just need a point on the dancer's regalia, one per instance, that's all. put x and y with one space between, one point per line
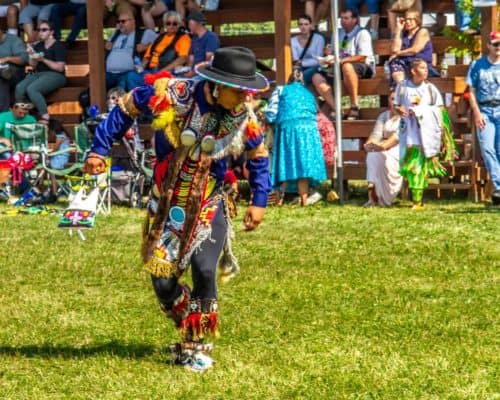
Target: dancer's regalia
188 220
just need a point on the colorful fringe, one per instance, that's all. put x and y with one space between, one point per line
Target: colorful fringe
449 150
179 310
198 324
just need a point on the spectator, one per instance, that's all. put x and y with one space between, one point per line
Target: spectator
356 62
422 136
19 114
10 9
410 42
78 8
35 10
298 156
48 59
203 42
169 51
397 10
153 8
13 56
184 7
484 80
373 10
382 158
317 10
467 16
306 48
126 43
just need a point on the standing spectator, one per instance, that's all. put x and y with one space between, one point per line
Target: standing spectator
419 103
203 42
373 10
126 43
19 114
317 10
78 8
484 81
169 51
382 158
13 56
356 62
10 9
184 7
35 10
306 48
298 156
410 42
48 59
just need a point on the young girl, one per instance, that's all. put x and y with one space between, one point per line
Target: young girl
416 98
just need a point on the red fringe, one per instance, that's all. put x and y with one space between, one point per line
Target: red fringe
150 79
158 103
199 325
254 130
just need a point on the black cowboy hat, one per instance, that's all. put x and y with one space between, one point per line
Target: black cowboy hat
234 67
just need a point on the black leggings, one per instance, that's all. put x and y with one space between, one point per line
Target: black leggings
203 264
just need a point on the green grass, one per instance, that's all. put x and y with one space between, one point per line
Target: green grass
332 303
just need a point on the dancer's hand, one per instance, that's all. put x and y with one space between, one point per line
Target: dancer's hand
253 217
94 165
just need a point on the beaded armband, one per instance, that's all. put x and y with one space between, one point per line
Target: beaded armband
126 103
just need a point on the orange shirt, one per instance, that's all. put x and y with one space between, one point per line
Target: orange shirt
182 47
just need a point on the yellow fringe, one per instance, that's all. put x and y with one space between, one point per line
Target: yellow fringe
126 103
160 268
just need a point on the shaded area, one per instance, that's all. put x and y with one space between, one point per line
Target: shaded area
112 348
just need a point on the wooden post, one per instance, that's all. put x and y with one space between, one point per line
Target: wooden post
95 13
282 21
489 23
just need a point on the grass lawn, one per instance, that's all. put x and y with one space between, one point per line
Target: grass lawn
331 303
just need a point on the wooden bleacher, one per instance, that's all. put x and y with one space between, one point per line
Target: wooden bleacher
63 102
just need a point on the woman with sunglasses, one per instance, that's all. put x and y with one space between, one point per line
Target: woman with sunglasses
48 60
410 42
169 51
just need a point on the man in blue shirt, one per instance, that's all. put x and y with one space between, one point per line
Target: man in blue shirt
203 43
484 81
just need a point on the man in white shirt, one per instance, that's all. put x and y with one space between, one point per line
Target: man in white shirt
356 61
123 46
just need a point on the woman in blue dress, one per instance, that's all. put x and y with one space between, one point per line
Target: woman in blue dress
298 161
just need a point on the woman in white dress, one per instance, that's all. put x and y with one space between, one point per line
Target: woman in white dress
382 158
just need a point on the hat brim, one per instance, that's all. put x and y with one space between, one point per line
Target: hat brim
257 84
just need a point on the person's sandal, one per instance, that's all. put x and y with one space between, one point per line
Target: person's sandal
44 121
353 114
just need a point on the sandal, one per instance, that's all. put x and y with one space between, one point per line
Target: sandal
353 114
44 120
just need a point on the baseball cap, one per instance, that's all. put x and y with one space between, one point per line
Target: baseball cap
494 37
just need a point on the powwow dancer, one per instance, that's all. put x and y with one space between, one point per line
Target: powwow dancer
198 125
426 131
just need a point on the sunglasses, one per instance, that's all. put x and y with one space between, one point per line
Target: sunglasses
24 106
43 29
122 21
497 44
410 19
168 23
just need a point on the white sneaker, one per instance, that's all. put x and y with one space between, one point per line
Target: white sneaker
199 362
314 198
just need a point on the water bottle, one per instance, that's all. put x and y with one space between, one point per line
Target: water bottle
138 65
387 71
444 70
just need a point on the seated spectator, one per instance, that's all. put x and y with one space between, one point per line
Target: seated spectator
38 10
185 7
356 62
19 114
398 9
373 10
48 60
78 8
297 153
410 42
60 138
382 158
169 51
306 47
13 57
153 8
10 9
126 43
203 42
317 10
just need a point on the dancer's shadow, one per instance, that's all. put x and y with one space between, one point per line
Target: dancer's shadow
112 348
